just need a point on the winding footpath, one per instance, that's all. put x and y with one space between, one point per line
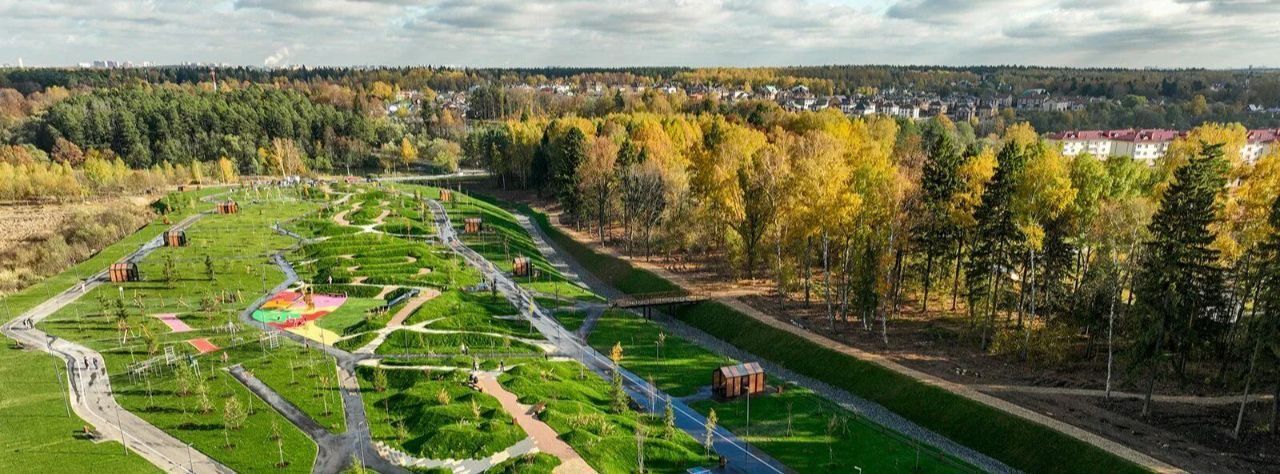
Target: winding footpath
741 456
91 395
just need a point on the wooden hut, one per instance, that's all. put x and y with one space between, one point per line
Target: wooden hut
736 380
472 225
175 238
446 195
228 207
123 271
520 267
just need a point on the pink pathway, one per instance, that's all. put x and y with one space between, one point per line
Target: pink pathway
202 345
171 320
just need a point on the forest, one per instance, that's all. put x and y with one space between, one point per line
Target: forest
1170 272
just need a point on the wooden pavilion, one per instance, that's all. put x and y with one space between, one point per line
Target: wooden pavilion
736 380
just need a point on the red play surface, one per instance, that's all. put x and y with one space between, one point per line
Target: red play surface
202 345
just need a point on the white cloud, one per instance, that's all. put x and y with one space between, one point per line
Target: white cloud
645 32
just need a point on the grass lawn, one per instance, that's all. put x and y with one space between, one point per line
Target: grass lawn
17 303
382 260
680 370
503 240
1021 444
471 312
436 416
578 409
303 376
238 245
537 463
410 342
351 313
35 430
810 434
571 320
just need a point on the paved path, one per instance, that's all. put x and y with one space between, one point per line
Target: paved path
91 395
1216 400
333 452
544 438
424 296
741 456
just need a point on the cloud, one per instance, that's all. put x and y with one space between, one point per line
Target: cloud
646 32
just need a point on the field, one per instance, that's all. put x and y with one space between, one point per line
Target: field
35 429
578 409
200 287
436 415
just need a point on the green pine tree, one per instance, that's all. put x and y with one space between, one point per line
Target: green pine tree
1179 285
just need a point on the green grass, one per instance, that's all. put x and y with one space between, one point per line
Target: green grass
35 429
537 463
409 342
578 409
457 310
303 377
571 320
810 434
615 272
1021 444
239 244
683 366
17 303
436 416
351 313
503 240
382 260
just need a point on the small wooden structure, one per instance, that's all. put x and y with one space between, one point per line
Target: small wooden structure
736 380
520 267
446 195
175 238
472 225
123 271
228 207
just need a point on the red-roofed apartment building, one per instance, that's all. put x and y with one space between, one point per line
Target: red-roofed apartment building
1146 144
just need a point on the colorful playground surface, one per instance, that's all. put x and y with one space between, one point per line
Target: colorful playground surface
289 309
202 345
171 320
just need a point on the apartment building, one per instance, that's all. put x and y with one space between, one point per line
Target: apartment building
1147 144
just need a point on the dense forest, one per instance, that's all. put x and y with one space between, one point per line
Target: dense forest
1050 259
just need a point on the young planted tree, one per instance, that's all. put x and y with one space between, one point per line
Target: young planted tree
1180 283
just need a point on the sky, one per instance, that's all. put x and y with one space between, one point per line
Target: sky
523 33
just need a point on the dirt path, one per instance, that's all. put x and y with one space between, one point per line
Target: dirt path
341 217
965 391
383 215
724 293
544 438
413 304
1086 392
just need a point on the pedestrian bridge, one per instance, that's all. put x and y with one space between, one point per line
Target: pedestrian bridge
665 298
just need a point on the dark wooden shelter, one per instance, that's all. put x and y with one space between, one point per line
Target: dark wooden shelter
123 271
228 207
520 267
175 238
736 380
472 225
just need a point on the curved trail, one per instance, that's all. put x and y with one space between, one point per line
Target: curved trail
1200 400
91 394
